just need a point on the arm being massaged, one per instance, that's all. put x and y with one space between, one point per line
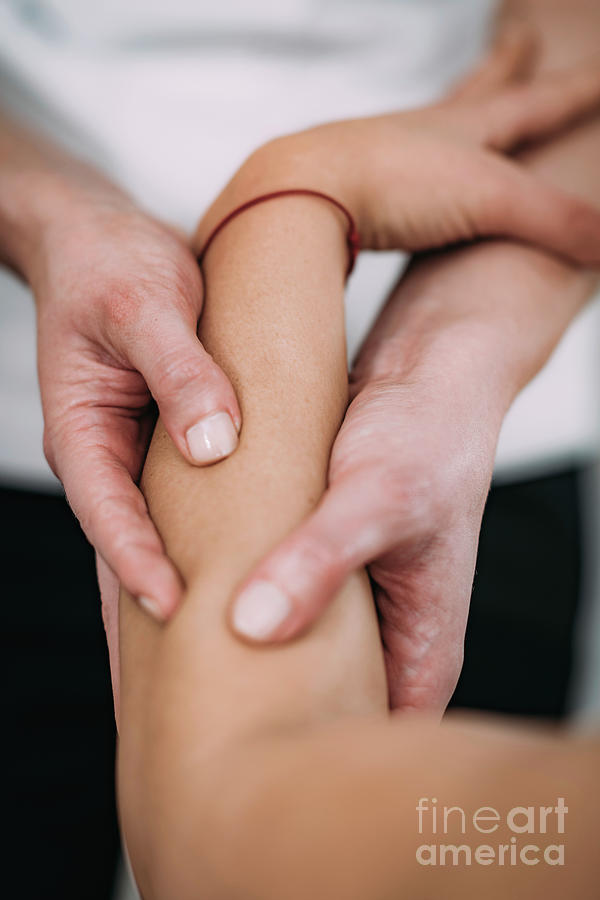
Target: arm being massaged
278 772
416 180
247 771
423 412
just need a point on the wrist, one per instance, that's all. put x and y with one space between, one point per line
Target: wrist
461 363
39 200
291 162
498 308
457 359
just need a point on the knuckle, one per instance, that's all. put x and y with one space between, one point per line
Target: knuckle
318 554
411 500
177 370
133 305
121 304
116 507
126 539
62 439
123 551
121 518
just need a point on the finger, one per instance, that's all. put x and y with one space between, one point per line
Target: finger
196 400
511 58
422 680
423 607
289 589
504 199
115 519
537 110
109 596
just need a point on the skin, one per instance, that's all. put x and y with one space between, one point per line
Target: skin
461 335
118 294
279 773
410 469
221 739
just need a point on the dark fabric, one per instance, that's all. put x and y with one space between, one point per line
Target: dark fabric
58 726
519 647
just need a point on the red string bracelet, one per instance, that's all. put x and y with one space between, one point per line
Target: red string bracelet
352 237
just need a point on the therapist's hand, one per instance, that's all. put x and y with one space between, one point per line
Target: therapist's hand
408 478
118 297
411 466
439 175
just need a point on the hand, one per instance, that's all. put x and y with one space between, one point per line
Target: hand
118 296
408 478
436 176
411 466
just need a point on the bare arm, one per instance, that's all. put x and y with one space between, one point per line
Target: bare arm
38 182
539 293
117 296
278 773
462 333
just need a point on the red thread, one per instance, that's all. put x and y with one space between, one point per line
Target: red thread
352 237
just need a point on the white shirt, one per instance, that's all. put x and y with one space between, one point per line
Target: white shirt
168 98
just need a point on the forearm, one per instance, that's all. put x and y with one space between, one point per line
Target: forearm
519 299
276 772
273 318
41 185
556 291
333 812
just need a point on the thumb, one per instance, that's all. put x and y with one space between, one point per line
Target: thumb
195 398
292 586
504 199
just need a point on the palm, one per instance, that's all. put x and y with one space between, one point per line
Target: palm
422 599
394 448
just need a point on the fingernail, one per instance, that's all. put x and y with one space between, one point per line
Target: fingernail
152 608
260 609
212 438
